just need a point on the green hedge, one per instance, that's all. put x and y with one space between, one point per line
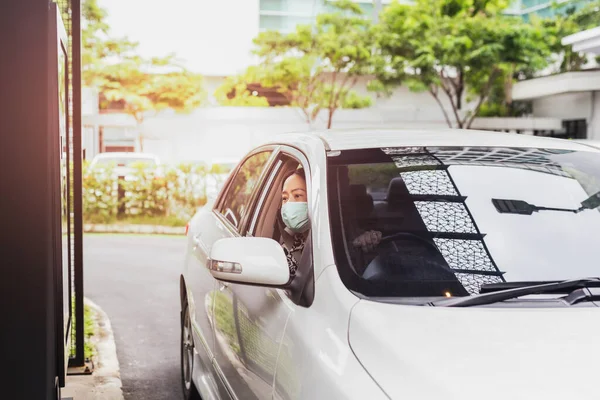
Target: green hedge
172 194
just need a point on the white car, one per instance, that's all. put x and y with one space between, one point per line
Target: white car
484 285
123 164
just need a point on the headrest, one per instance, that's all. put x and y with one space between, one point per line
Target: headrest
358 190
397 191
362 200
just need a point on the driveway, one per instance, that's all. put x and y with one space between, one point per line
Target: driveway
135 279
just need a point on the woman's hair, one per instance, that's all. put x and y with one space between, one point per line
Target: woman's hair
299 172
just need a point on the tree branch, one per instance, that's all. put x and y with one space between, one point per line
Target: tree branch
333 79
482 96
452 103
434 93
341 89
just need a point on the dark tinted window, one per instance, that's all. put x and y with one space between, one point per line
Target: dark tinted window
235 204
454 219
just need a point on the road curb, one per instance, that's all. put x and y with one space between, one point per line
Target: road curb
105 381
134 228
108 363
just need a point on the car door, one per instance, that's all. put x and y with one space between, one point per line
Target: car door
227 218
249 338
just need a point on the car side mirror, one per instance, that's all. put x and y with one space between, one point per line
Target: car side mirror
249 260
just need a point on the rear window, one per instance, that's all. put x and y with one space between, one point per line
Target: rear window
454 219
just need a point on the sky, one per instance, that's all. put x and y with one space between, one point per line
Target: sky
160 29
198 31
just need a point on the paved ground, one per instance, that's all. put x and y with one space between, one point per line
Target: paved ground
135 279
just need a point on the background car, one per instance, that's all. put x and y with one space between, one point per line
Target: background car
124 164
483 284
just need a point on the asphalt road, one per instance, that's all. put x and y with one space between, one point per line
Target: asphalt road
135 279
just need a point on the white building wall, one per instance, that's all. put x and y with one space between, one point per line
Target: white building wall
594 121
564 106
229 132
569 106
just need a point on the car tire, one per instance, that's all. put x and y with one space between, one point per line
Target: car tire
187 357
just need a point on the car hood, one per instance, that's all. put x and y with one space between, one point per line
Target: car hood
416 352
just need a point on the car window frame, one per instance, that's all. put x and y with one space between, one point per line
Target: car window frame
298 155
227 186
266 182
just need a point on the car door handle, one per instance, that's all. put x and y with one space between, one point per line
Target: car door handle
197 241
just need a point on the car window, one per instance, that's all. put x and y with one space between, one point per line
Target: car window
266 217
267 222
454 219
236 202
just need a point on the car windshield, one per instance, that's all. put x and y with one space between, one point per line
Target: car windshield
126 161
454 219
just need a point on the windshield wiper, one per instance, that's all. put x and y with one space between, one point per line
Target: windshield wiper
506 206
578 289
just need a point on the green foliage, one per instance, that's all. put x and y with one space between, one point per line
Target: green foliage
499 104
575 19
237 86
373 175
456 49
100 200
354 100
141 91
570 20
146 195
315 67
97 45
169 198
89 330
142 85
133 82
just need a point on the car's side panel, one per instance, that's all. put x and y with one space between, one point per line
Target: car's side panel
249 324
316 361
236 197
200 287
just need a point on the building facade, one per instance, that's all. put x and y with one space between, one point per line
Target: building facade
573 97
543 8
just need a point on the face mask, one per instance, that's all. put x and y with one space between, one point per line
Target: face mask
295 216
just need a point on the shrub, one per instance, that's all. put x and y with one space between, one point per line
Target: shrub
172 195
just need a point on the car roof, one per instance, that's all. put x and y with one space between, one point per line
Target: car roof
348 139
589 142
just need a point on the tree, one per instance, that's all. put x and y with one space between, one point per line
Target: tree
235 92
568 19
98 47
454 49
142 91
316 67
141 86
572 21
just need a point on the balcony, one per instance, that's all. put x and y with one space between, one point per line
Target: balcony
587 41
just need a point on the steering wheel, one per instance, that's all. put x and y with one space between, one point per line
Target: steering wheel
376 267
409 236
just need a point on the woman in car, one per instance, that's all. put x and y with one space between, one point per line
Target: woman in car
294 215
